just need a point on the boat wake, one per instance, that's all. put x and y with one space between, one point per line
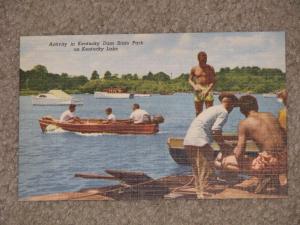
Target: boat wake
57 131
88 134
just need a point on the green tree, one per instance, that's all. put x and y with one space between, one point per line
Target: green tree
95 75
107 75
40 69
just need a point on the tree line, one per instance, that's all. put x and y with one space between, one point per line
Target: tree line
238 79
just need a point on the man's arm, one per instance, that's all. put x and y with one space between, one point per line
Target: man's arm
191 82
217 129
239 150
212 79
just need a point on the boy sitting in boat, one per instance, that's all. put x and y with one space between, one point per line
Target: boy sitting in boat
139 115
110 116
264 129
68 115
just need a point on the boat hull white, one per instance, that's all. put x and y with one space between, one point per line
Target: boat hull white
99 94
54 102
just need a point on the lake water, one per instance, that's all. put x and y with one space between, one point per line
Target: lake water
48 162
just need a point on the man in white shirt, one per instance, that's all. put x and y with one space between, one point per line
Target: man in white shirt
204 128
68 115
139 115
110 116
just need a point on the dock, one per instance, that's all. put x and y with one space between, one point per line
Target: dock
140 186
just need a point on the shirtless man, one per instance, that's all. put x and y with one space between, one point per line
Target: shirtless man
202 79
264 129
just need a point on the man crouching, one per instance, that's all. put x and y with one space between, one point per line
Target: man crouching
263 128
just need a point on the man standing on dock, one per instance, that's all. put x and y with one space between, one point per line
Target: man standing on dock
202 79
204 128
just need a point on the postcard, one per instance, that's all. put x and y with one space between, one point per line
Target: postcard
153 116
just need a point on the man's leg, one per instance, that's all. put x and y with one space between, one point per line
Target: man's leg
198 107
200 165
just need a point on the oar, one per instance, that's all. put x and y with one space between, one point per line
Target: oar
94 176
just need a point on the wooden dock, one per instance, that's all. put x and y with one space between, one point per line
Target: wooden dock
138 185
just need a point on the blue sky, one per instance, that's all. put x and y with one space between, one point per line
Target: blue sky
173 53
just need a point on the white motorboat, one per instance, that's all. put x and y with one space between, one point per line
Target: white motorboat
269 95
142 95
55 97
100 94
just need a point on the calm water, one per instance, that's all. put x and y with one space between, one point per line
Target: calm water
48 162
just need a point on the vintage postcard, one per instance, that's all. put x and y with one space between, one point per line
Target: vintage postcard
153 116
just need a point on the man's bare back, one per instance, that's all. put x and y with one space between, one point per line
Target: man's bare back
264 130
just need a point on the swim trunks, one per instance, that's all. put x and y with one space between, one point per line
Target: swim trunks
270 163
198 96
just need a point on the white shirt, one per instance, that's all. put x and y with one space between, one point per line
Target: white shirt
200 130
111 117
138 115
66 116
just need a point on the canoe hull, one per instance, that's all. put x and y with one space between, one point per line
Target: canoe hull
179 155
97 126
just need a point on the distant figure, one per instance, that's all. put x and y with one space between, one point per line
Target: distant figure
139 115
204 128
68 115
202 79
264 129
110 116
282 117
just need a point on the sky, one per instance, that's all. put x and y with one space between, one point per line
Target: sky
172 53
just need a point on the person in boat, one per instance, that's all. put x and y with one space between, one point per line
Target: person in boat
264 129
204 128
282 117
202 79
139 115
68 115
110 116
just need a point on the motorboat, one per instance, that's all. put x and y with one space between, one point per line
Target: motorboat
55 97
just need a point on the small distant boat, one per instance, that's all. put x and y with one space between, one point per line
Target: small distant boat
100 94
55 97
48 123
269 95
178 153
142 95
117 93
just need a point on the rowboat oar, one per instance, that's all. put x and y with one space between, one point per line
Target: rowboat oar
94 176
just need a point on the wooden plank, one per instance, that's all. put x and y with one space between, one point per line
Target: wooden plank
129 177
67 196
94 176
152 189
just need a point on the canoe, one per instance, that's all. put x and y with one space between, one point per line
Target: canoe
99 126
178 153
